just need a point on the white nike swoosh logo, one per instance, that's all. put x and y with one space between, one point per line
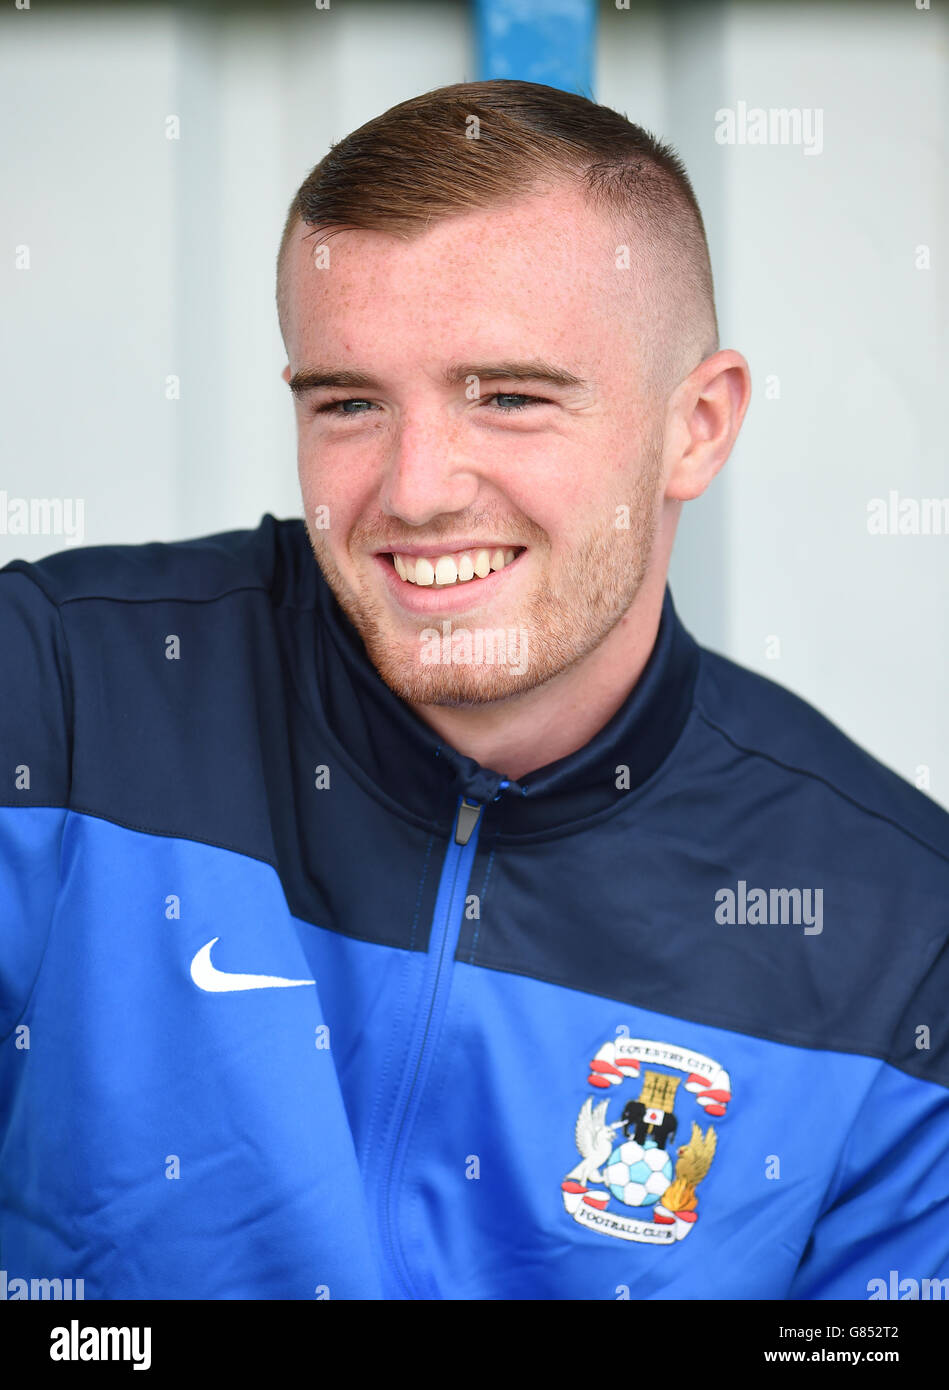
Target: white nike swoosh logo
215 981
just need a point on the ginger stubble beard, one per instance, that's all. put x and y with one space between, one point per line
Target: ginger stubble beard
564 622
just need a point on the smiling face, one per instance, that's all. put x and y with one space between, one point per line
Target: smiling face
479 447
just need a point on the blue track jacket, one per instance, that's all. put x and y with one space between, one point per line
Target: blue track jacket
298 1002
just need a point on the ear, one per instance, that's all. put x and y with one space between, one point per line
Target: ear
286 373
703 417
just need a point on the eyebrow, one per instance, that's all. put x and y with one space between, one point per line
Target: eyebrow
313 378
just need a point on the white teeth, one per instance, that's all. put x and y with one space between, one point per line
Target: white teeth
447 570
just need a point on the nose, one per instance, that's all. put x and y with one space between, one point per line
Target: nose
426 475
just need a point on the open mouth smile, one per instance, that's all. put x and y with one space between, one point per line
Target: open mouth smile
452 568
447 580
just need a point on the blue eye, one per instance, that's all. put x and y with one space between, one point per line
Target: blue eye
332 407
511 396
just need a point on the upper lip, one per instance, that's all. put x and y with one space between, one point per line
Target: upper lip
446 547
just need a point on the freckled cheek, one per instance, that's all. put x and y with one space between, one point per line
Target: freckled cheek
563 494
338 491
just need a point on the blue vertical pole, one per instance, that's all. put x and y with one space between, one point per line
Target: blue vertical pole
548 41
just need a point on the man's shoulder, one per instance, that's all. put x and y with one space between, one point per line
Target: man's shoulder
194 571
760 719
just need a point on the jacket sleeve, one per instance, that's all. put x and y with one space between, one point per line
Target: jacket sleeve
884 1228
35 755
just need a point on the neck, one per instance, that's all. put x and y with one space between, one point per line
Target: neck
530 730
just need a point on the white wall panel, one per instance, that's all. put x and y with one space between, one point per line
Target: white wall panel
152 258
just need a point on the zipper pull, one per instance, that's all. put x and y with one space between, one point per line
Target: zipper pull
468 813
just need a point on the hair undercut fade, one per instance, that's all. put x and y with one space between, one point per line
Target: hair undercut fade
477 145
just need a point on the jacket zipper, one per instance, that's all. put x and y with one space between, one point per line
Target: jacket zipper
443 942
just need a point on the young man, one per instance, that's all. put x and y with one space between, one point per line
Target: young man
438 920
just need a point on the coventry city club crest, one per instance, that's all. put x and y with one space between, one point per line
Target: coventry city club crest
634 1160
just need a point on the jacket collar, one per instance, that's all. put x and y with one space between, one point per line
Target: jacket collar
406 763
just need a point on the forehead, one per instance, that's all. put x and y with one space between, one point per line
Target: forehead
542 267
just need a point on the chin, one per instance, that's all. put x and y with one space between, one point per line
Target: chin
454 686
